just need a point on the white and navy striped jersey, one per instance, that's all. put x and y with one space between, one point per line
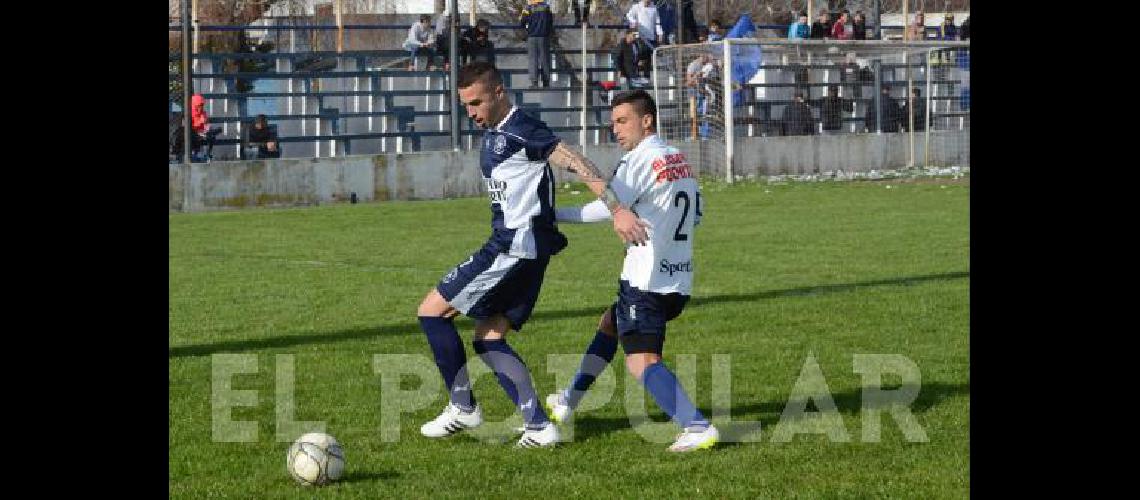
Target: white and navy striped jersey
521 186
657 183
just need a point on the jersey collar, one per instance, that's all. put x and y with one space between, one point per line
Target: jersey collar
645 142
505 118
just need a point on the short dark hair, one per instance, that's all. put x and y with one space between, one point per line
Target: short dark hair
833 88
641 101
714 21
479 71
483 22
916 91
425 17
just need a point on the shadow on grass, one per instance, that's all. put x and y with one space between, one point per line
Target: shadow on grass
591 312
768 413
368 476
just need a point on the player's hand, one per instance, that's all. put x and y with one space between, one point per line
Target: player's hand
630 228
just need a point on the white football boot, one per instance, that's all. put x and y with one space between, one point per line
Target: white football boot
542 438
451 421
692 440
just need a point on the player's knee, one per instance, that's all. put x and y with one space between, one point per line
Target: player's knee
434 306
636 363
641 350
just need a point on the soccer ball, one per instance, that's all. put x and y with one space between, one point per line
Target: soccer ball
315 459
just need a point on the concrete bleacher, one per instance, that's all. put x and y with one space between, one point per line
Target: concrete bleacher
367 103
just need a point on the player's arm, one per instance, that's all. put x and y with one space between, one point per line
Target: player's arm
594 211
626 224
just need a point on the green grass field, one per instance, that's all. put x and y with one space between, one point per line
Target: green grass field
784 273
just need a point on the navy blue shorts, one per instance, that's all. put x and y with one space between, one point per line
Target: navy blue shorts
491 283
641 316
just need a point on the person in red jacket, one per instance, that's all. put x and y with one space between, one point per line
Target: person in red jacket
839 29
199 125
198 116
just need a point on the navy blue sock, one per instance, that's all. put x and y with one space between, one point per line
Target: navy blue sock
514 377
671 397
450 357
597 357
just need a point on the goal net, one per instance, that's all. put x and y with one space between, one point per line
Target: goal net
747 107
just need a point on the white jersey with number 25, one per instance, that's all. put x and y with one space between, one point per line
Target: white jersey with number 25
657 183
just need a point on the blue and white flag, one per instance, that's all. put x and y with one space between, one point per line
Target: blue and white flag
745 58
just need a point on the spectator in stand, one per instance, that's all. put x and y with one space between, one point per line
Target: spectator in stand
797 118
840 30
917 29
888 108
199 125
822 27
198 116
200 133
831 110
859 27
643 15
467 40
716 32
481 48
538 20
264 138
420 41
948 31
667 18
964 30
919 111
633 59
700 77
698 71
688 23
800 30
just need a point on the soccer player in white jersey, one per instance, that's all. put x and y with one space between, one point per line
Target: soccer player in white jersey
499 284
654 181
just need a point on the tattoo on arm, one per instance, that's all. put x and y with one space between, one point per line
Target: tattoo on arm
574 161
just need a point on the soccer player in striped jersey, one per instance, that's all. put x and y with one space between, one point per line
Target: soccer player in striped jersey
499 284
654 181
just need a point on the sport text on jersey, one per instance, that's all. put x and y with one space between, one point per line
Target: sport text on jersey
677 267
496 189
671 167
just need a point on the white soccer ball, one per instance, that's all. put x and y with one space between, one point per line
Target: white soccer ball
315 459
